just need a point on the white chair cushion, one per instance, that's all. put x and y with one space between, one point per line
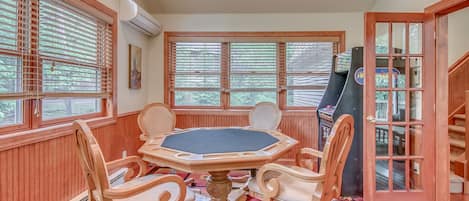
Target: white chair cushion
157 120
291 189
265 116
155 192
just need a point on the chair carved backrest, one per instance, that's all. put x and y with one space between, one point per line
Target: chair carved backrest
155 119
91 160
265 115
335 152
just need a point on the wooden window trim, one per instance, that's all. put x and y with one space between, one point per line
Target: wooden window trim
224 38
108 114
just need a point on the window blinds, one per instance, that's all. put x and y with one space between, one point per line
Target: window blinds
11 68
51 49
238 70
75 50
197 70
253 73
308 66
9 24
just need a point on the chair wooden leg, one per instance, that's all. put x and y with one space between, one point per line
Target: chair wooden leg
265 198
189 181
90 196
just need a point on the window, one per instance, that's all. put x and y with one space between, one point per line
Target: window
197 74
227 70
308 68
75 66
55 62
253 73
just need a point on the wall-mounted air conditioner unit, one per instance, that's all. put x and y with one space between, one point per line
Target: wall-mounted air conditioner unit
141 20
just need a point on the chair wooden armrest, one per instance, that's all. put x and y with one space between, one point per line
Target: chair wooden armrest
240 179
272 187
125 162
120 193
307 151
143 137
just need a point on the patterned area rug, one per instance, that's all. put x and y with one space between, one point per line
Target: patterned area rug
200 184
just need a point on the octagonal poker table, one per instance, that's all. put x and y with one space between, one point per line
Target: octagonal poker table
217 151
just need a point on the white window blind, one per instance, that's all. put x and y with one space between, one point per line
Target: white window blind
8 24
75 51
196 69
253 73
308 66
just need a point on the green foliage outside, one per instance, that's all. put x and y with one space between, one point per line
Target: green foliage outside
9 72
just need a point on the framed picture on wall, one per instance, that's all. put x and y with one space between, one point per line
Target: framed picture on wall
135 67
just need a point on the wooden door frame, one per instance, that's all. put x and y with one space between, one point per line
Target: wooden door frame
437 17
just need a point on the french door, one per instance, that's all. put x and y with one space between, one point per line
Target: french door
399 109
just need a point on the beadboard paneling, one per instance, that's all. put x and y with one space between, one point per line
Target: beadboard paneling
50 171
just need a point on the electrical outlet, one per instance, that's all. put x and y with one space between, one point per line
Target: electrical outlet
124 154
416 167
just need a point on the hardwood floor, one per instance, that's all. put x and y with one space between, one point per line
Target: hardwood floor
459 197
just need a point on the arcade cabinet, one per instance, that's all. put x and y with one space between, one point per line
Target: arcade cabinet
344 95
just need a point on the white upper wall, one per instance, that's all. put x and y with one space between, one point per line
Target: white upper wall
256 6
458 35
129 100
402 5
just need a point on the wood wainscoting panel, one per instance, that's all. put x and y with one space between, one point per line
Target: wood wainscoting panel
50 170
301 126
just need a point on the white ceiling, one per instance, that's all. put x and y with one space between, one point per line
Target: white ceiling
255 6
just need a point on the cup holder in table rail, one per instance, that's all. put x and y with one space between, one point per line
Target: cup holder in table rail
274 148
248 154
188 156
221 155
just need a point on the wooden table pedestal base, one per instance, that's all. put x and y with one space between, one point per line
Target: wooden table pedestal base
219 186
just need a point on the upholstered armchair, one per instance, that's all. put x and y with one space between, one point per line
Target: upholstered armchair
265 115
156 119
138 188
300 183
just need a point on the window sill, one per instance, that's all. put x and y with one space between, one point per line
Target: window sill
240 112
22 138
